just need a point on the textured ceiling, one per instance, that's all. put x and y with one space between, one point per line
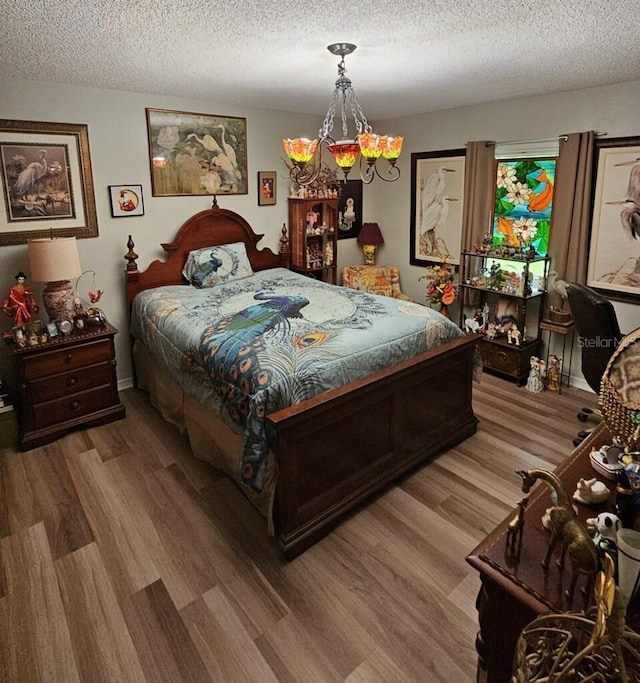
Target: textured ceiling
413 56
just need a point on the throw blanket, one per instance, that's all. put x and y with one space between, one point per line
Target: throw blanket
276 338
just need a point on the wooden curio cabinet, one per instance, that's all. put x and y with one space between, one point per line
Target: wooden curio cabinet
313 234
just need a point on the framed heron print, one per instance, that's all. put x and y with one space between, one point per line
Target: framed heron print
196 154
437 194
47 183
614 253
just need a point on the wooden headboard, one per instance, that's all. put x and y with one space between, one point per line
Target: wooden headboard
208 228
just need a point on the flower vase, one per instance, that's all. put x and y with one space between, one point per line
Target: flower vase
444 309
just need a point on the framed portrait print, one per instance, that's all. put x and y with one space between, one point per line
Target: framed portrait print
437 194
266 188
47 183
126 200
350 209
196 154
614 252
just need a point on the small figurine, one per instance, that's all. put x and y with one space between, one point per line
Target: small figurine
534 382
553 372
328 254
19 302
491 331
513 336
590 492
605 528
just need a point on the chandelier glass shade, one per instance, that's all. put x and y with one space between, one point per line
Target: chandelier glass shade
306 155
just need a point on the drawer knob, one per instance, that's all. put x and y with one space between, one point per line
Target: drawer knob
74 405
72 381
69 357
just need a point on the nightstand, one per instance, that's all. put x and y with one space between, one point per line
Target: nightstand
65 383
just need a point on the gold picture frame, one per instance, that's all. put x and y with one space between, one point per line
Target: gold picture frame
196 154
267 188
47 182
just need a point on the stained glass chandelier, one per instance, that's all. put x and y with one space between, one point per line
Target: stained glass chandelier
306 155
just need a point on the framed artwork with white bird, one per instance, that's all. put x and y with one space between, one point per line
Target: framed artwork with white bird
614 254
47 183
437 194
196 154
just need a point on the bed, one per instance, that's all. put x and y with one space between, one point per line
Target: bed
304 451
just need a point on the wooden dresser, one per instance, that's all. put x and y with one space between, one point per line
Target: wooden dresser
64 383
515 590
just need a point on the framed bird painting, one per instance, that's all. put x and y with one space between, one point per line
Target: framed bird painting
196 154
614 253
437 194
47 183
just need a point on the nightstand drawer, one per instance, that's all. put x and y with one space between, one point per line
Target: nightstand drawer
70 382
69 358
71 407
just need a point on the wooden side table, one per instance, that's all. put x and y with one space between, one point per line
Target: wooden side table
65 383
566 331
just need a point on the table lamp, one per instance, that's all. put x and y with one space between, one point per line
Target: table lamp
55 261
370 237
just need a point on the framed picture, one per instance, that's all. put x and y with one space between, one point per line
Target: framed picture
47 183
34 331
52 330
350 209
437 194
266 188
614 253
126 200
196 154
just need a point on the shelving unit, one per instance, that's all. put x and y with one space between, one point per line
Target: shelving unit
504 354
313 234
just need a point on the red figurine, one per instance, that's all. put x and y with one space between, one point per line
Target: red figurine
19 302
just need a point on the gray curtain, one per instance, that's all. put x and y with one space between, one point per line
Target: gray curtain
479 197
569 239
479 191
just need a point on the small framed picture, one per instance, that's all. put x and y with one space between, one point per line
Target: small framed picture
65 326
34 332
52 330
266 188
126 200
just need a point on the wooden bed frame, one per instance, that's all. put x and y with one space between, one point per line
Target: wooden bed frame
338 448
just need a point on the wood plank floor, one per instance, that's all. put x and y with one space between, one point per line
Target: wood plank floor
125 559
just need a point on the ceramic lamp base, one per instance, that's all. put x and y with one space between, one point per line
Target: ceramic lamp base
57 298
369 251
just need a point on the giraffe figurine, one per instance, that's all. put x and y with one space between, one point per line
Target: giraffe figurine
565 527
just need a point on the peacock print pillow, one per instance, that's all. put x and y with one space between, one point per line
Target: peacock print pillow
211 266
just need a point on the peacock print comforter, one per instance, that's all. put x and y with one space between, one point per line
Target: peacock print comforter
274 339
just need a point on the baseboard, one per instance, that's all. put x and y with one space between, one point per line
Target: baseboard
125 383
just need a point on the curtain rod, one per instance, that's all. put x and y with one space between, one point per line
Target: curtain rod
564 137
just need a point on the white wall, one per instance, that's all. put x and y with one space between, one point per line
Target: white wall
119 154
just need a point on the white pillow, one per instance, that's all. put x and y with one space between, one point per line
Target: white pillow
211 266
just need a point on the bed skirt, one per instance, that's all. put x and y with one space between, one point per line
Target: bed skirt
209 437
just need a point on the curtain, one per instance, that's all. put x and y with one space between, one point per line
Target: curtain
569 240
479 192
479 196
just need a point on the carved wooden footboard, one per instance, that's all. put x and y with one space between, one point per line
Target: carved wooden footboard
336 449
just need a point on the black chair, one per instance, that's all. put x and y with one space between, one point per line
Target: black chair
598 335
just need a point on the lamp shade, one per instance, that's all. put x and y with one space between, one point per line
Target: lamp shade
370 234
54 260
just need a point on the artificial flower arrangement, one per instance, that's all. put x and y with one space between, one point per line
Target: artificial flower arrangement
441 284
